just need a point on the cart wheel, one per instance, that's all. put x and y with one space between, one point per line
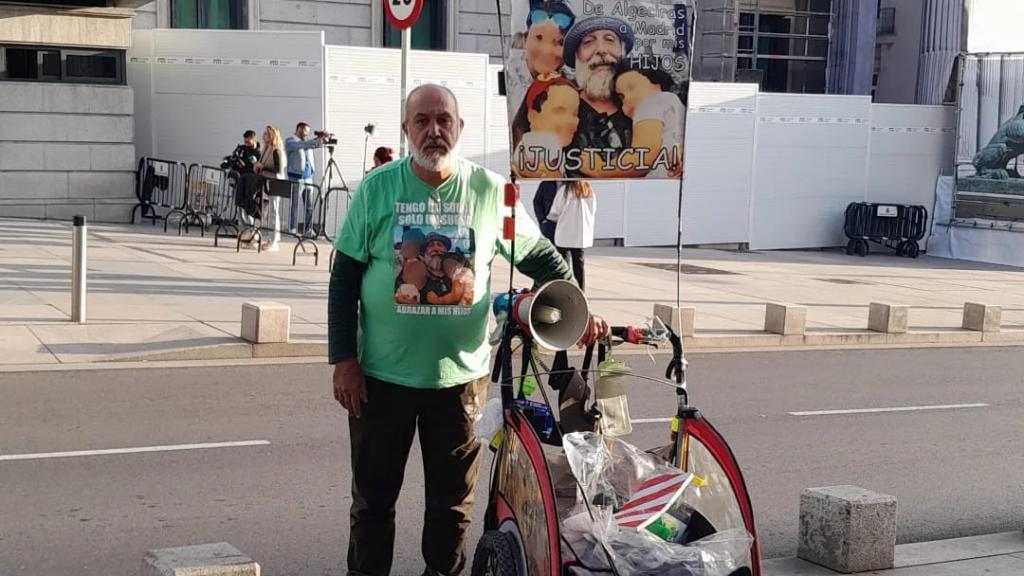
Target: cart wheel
913 250
497 554
862 248
851 246
901 249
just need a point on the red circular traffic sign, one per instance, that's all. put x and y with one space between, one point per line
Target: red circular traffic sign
403 13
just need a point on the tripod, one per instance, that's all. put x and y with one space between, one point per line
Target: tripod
327 185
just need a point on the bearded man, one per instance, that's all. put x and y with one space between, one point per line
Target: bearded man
594 47
399 370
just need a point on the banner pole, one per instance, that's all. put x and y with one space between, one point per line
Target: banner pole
406 46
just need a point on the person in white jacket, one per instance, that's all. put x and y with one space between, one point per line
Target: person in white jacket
573 212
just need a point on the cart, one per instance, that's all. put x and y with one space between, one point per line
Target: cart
522 525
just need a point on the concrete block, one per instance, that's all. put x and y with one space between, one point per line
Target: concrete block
22 156
680 320
93 185
220 559
110 100
785 319
112 157
22 97
847 529
982 317
67 156
265 322
33 185
888 318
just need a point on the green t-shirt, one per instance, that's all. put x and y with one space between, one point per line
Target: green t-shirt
426 290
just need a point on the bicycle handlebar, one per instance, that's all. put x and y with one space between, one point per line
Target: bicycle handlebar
640 335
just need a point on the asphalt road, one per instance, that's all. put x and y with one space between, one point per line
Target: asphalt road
955 471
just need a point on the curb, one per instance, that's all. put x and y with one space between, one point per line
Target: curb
710 342
936 552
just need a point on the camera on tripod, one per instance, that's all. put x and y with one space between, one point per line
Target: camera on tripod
327 137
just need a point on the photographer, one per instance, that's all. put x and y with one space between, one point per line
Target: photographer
301 169
245 156
248 195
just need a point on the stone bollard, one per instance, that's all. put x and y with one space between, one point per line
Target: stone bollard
982 317
265 322
847 529
888 318
680 320
220 559
785 319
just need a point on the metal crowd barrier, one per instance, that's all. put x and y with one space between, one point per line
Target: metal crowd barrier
895 226
204 196
160 188
210 199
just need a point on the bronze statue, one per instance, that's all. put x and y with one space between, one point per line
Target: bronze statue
1007 143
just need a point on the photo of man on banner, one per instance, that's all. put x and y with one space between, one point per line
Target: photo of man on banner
597 89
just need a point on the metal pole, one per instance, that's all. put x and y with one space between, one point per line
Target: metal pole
78 268
406 46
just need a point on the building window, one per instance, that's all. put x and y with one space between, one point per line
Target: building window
787 42
887 21
428 33
70 65
210 14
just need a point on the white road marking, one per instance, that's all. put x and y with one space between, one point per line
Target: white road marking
878 410
650 420
143 449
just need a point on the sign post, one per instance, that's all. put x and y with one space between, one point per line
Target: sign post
403 14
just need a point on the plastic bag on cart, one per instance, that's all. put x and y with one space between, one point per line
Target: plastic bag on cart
608 469
640 553
611 472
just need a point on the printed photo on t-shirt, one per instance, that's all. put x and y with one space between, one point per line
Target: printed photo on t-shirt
434 270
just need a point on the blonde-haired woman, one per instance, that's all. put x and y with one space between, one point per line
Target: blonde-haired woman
573 213
273 165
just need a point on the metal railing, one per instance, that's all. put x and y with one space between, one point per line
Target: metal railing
160 188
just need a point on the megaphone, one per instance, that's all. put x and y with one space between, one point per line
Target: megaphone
555 316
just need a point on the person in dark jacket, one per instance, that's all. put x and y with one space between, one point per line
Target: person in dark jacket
245 156
542 202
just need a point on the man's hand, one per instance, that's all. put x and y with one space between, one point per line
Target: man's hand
350 386
597 329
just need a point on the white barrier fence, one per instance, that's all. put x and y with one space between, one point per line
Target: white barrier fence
768 170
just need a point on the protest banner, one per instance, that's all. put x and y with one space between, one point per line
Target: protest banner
597 89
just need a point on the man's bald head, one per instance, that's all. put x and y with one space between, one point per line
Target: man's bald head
431 90
433 126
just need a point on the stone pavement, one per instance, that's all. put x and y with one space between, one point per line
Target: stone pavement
153 295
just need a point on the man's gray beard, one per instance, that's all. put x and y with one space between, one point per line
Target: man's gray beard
433 163
434 263
596 84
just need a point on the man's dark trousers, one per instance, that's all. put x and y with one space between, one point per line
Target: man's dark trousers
381 439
